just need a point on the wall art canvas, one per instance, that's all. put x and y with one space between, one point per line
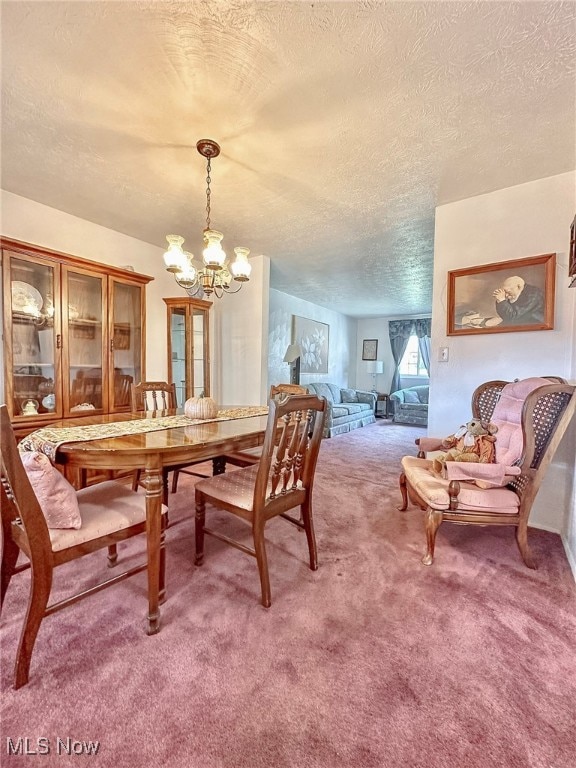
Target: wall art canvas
507 296
313 337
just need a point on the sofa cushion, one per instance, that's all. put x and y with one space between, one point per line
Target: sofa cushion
324 389
411 396
356 407
412 407
349 395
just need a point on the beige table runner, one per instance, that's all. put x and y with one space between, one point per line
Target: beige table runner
47 439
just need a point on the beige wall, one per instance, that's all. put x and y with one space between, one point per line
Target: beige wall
512 223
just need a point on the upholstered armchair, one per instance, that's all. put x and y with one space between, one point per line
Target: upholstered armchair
532 415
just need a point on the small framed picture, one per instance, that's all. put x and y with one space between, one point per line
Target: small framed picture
502 297
369 349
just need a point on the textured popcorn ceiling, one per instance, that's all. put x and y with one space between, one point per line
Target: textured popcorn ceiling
342 125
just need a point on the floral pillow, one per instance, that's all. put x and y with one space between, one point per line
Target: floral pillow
349 395
57 498
411 397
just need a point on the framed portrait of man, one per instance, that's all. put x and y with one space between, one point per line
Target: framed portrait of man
508 296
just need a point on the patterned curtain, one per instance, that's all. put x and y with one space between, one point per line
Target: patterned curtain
399 332
422 328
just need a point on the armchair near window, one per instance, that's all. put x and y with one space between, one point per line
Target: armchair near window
532 415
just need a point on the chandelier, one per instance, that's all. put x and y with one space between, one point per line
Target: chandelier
213 275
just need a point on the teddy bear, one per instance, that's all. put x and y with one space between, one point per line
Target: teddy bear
474 441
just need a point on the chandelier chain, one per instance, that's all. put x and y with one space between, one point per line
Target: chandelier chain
212 277
208 193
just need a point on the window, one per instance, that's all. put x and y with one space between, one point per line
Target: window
412 363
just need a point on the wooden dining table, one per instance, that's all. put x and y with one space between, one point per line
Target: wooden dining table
152 452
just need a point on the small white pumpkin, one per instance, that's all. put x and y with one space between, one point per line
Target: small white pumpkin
200 408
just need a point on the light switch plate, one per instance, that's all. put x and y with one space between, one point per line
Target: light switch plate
443 355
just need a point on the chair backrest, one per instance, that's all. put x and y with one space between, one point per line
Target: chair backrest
86 387
153 396
485 397
288 462
546 414
20 506
122 389
278 391
502 403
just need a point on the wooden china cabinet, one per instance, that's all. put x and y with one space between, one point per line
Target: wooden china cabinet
189 347
74 335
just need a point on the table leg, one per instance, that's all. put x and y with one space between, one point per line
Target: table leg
154 536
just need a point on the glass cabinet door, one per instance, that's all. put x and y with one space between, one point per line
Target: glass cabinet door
34 327
178 362
199 353
188 347
83 310
126 333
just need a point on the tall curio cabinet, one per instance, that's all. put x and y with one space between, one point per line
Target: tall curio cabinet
74 335
189 347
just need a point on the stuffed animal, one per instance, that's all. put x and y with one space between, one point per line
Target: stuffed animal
473 442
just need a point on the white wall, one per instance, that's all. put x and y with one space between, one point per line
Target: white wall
240 331
526 220
239 348
341 338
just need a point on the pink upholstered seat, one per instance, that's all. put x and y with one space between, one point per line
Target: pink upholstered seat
531 415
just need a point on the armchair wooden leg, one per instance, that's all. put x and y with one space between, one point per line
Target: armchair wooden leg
136 479
262 560
522 541
175 480
404 493
40 586
433 521
199 530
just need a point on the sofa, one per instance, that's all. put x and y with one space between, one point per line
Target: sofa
347 409
411 405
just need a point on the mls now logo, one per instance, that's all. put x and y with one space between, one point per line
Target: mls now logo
43 746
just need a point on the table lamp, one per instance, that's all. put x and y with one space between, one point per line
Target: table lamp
292 357
374 367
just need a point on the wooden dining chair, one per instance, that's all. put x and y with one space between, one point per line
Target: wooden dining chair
251 456
282 480
107 513
159 396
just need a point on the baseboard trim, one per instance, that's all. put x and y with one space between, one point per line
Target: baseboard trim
542 527
570 556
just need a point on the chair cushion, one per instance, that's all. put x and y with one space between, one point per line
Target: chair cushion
237 488
434 491
105 508
507 416
57 498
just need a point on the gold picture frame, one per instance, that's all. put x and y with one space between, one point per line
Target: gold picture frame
504 297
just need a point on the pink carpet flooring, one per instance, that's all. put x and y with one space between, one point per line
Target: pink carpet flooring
373 661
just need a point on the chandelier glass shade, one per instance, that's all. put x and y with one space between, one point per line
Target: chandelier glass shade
213 275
